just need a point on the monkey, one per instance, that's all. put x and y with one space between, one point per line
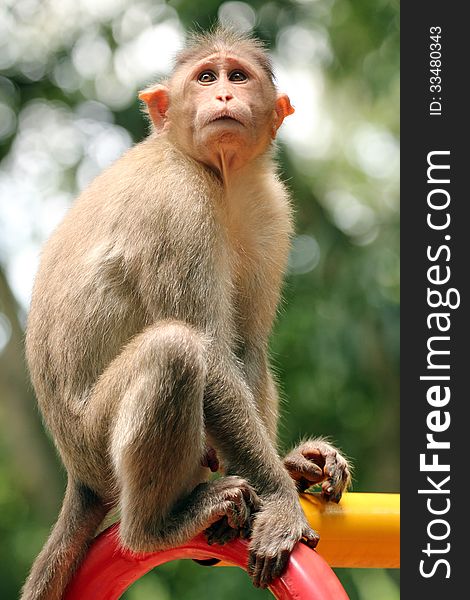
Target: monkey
147 336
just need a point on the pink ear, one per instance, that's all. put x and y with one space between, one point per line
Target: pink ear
283 109
156 98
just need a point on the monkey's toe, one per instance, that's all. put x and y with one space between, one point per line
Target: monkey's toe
221 532
242 501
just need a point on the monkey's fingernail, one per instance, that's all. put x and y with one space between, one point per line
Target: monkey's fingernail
329 490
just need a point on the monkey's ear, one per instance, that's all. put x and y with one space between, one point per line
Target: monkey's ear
156 97
283 109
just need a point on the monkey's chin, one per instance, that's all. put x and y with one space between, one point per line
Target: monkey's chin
224 125
223 137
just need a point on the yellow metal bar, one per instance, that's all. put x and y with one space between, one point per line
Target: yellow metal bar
363 530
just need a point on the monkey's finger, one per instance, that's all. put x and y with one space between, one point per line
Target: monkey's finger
301 468
298 459
240 509
334 486
224 536
334 474
266 574
331 464
251 515
311 471
247 527
342 486
257 571
310 537
314 454
346 477
233 518
218 531
331 494
251 498
250 566
245 515
328 489
238 515
280 564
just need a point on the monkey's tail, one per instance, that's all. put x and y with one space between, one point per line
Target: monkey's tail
81 514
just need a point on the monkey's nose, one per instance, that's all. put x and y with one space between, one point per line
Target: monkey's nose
224 96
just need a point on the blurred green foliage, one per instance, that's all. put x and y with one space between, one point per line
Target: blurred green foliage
336 343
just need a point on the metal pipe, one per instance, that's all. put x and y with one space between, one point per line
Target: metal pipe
362 530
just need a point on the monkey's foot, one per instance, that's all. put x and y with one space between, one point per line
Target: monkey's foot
314 462
236 503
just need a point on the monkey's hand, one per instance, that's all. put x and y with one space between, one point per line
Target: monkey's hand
236 504
277 528
314 462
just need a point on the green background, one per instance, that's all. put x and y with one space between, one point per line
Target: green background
67 100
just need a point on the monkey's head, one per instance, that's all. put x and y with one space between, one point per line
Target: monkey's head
220 104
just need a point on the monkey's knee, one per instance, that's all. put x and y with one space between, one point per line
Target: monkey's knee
181 351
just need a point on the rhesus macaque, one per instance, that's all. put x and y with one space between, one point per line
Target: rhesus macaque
148 331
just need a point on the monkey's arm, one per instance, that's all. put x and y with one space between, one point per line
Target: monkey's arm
234 423
263 387
311 462
316 461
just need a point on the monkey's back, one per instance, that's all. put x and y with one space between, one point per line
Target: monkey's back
116 262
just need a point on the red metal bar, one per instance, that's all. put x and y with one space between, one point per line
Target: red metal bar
108 570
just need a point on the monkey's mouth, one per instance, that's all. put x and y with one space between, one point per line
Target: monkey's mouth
226 118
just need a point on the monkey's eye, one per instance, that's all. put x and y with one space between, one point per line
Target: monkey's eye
206 77
237 76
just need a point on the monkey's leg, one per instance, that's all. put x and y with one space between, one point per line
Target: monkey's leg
157 441
316 461
82 512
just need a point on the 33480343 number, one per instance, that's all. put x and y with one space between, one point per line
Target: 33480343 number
435 59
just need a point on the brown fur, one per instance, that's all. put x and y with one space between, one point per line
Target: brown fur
147 344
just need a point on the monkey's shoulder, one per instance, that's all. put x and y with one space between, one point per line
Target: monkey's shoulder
157 165
149 189
152 180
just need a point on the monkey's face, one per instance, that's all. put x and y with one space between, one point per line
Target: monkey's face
229 104
222 109
224 105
